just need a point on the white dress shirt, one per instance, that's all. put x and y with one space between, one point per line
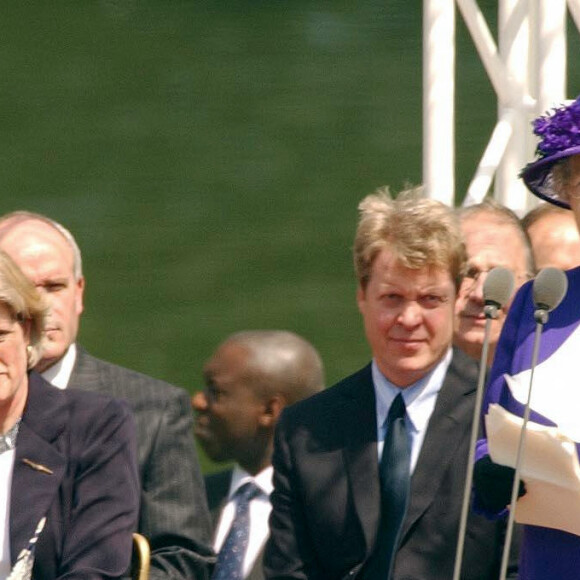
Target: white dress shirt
59 373
260 509
420 399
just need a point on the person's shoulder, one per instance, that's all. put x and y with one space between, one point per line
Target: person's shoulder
319 405
574 273
565 314
83 412
125 383
573 282
463 366
93 402
525 294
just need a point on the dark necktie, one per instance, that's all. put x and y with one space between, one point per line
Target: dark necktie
230 560
395 478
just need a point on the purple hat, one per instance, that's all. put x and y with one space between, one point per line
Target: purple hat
560 138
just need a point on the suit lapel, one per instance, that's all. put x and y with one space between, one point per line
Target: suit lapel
39 466
360 450
447 427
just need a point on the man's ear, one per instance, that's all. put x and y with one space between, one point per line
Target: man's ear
79 295
273 407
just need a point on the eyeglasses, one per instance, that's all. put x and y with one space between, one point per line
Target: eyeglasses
473 274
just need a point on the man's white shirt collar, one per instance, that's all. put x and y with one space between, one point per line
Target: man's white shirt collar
263 480
59 373
420 399
260 508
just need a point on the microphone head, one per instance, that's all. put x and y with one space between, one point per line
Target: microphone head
550 287
498 287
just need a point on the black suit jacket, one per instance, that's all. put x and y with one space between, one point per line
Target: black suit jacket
174 515
326 500
76 464
217 486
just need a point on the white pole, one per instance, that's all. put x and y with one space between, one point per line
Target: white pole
514 43
490 160
527 72
439 99
550 66
486 48
574 7
547 70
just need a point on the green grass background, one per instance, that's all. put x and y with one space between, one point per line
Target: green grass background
209 158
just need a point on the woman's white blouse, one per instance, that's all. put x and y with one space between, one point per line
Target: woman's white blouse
6 469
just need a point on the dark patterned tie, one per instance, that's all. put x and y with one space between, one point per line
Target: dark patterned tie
230 560
395 478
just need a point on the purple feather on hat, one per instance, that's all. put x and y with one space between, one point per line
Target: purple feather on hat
559 132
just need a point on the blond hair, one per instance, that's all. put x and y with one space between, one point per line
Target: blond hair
421 232
20 296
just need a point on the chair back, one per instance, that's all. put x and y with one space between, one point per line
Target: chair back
141 558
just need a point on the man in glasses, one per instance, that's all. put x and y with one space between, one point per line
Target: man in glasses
493 236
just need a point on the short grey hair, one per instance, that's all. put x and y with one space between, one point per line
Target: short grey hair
504 216
280 361
9 220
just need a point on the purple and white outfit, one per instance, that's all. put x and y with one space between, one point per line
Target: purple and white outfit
545 553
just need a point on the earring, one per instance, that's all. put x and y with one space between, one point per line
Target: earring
29 355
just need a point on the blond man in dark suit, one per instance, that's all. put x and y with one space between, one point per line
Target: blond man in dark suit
344 507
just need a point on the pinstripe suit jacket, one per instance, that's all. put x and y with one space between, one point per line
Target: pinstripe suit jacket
174 515
217 487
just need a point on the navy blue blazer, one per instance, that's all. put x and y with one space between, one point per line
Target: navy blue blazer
76 464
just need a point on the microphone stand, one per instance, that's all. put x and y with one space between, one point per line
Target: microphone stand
490 311
541 317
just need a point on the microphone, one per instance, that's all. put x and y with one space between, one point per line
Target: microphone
497 290
549 289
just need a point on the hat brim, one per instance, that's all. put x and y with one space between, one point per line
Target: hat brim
538 176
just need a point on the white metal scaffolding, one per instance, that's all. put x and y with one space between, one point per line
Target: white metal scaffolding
527 70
